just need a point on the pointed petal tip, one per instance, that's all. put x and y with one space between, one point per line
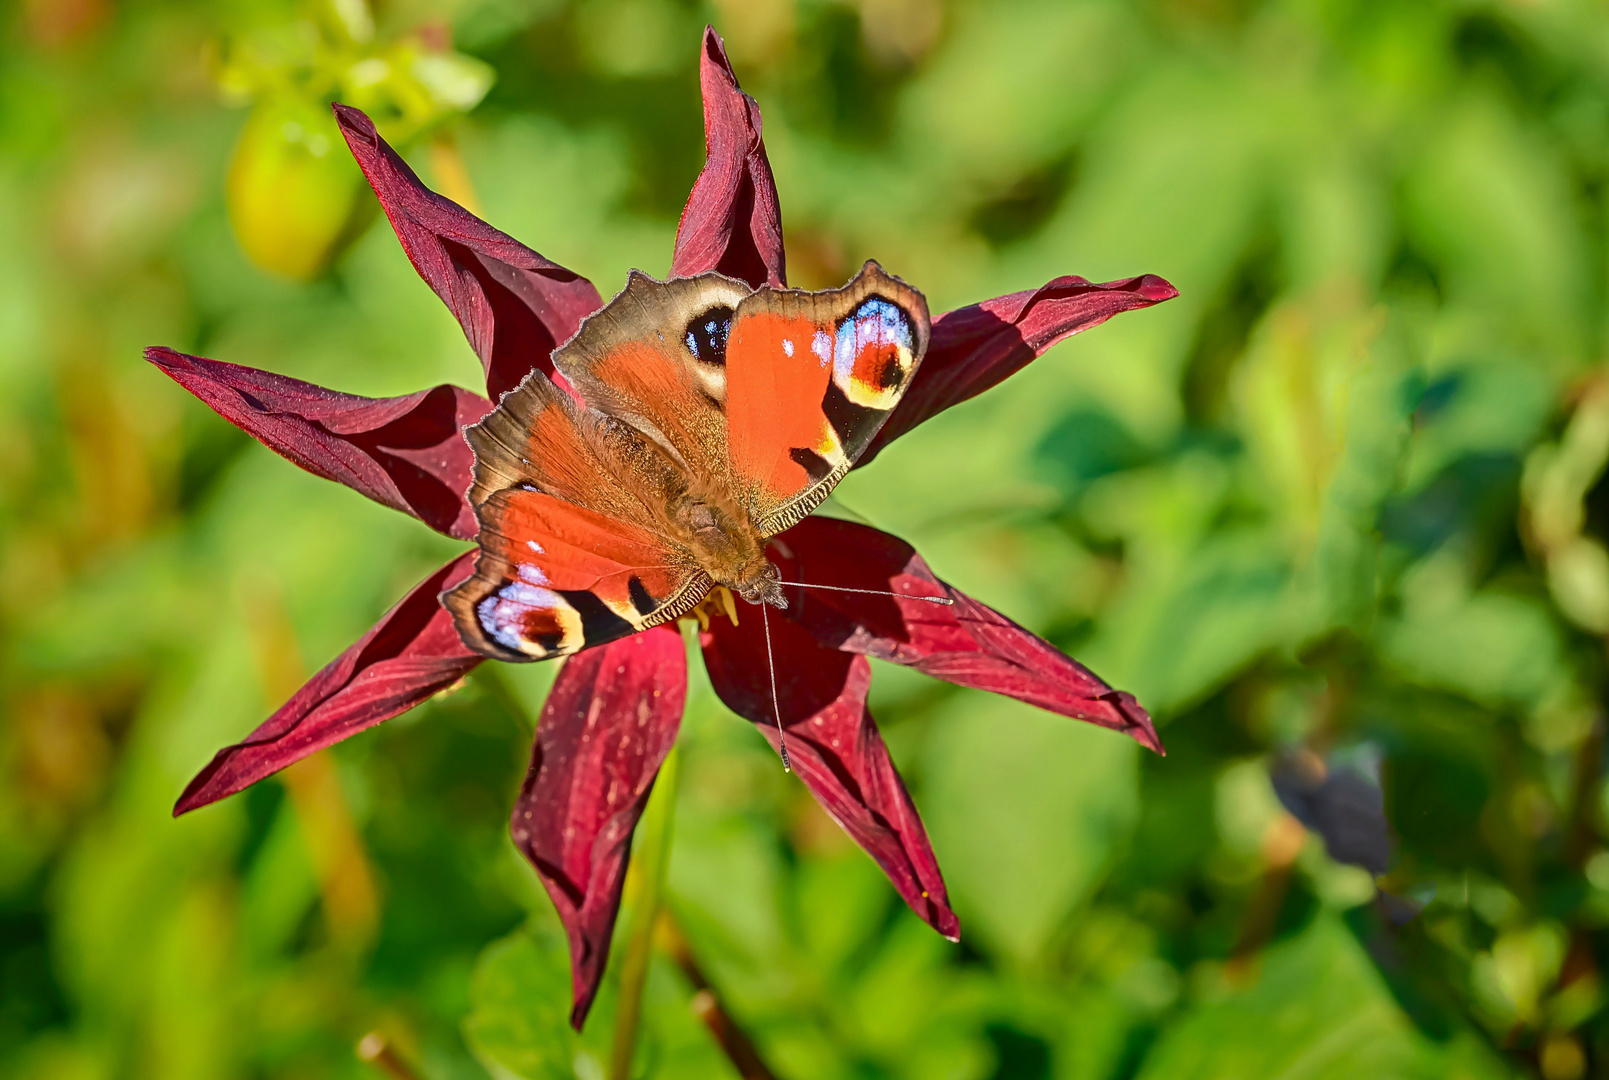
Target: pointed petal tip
406 658
352 119
174 364
171 361
407 453
194 796
1156 289
1138 722
514 305
625 700
715 47
357 129
732 221
978 346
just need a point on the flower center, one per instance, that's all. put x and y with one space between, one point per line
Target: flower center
718 602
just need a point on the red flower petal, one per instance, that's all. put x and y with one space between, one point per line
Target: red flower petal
411 654
975 347
514 305
966 643
732 221
407 453
609 721
834 746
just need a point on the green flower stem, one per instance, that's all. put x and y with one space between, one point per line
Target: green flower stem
706 1005
651 856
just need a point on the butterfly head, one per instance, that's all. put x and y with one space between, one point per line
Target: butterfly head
762 587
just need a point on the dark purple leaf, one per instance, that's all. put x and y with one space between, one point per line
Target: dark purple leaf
966 643
412 653
609 721
833 744
407 453
975 347
732 221
514 305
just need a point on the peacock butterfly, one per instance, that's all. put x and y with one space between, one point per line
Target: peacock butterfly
716 416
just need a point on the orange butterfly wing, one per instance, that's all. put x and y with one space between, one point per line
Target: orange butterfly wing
574 547
654 358
766 397
810 377
554 578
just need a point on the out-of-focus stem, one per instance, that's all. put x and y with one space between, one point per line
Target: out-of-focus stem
1584 825
648 868
376 1049
706 1005
1282 843
335 845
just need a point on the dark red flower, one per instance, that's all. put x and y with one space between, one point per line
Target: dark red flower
614 710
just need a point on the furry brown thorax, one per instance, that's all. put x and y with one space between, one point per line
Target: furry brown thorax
729 549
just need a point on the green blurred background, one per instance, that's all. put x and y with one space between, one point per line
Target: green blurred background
1335 515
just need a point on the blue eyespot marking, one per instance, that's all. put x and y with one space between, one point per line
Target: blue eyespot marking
872 352
875 322
706 335
522 612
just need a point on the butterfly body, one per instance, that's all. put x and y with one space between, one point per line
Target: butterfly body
730 550
716 416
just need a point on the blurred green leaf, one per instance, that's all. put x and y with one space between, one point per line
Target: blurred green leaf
1345 561
1317 1009
520 1025
1496 648
1025 810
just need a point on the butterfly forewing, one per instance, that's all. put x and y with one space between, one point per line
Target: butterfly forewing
655 359
810 378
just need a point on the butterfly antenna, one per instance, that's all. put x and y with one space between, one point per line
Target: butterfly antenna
776 706
945 600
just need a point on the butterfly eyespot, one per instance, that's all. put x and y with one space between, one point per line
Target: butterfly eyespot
527 618
545 628
873 352
706 335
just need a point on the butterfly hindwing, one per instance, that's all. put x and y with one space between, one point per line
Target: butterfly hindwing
810 378
554 578
575 550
